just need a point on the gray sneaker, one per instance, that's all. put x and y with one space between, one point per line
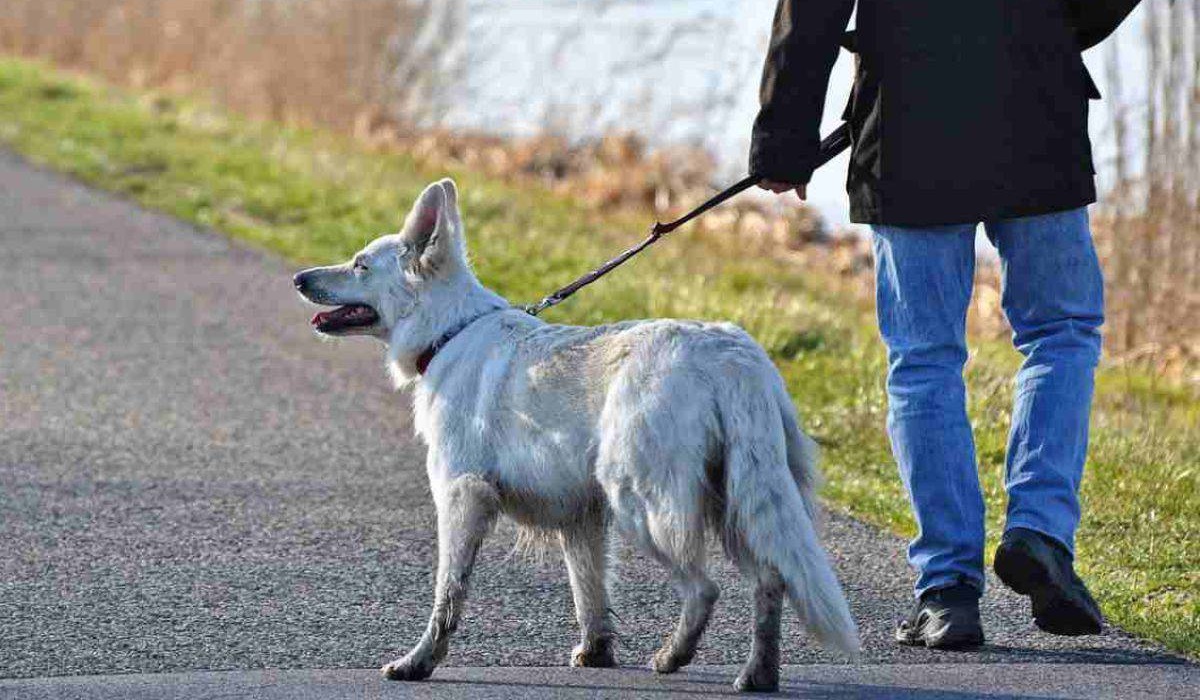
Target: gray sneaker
1035 565
945 618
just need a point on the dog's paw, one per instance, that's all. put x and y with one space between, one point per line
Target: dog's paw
757 680
598 655
666 660
408 669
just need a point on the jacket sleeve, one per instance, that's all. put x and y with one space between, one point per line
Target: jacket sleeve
803 47
1095 19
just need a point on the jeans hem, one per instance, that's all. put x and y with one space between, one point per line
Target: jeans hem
1041 531
952 580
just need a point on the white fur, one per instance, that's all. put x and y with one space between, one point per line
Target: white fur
658 427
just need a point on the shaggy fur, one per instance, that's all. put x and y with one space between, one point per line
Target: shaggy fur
661 429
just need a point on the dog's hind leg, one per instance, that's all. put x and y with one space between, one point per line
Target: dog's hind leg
466 508
698 594
585 549
761 672
651 463
680 549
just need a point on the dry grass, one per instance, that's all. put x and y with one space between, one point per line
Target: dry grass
326 62
616 173
1148 225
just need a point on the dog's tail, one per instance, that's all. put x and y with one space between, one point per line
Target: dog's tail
771 475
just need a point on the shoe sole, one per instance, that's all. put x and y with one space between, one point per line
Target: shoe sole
970 639
1055 609
958 643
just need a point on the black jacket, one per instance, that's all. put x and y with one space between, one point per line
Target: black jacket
961 111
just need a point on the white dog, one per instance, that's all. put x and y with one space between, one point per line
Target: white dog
660 428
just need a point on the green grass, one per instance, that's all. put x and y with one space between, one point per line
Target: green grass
313 196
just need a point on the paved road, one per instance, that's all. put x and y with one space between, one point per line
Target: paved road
189 480
815 681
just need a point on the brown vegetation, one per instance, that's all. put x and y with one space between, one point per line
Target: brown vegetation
328 62
1148 224
617 171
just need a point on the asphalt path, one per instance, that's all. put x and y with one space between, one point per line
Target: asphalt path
814 681
191 481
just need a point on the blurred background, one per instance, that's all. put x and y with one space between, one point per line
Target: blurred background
643 104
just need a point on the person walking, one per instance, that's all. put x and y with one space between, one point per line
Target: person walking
965 113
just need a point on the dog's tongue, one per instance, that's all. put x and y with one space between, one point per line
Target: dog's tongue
342 316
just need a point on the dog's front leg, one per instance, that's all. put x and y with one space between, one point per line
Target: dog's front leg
585 548
466 507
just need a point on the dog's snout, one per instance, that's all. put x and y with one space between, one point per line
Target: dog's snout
300 280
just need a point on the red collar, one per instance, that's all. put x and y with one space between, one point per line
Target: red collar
430 352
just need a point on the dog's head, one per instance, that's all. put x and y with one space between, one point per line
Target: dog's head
385 283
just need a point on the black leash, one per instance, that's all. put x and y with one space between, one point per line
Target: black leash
831 146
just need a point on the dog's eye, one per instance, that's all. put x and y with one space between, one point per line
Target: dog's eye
360 266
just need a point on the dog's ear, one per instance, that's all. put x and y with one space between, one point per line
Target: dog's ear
433 229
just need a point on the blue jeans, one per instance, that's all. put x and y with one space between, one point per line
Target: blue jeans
1053 296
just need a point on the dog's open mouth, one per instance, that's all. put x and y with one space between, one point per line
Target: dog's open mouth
345 318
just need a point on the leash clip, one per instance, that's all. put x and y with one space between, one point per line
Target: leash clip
535 309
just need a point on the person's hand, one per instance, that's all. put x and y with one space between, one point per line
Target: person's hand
781 187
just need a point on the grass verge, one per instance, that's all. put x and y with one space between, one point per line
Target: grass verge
312 196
